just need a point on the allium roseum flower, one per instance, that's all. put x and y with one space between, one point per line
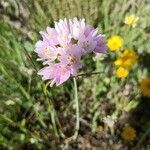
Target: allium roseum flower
62 47
57 73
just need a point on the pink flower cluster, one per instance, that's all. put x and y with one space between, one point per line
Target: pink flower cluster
62 47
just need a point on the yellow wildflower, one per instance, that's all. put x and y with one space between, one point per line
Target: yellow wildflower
131 20
127 59
145 86
122 72
115 42
128 134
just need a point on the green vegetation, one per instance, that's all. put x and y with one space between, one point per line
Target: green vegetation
36 116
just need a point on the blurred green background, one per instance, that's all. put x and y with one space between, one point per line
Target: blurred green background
35 116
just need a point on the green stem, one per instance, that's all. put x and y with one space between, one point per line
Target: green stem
142 139
24 92
53 113
51 108
30 59
77 109
89 74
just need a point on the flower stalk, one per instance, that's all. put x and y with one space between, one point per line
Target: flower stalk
77 109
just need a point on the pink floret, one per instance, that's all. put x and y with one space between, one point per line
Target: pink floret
57 73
